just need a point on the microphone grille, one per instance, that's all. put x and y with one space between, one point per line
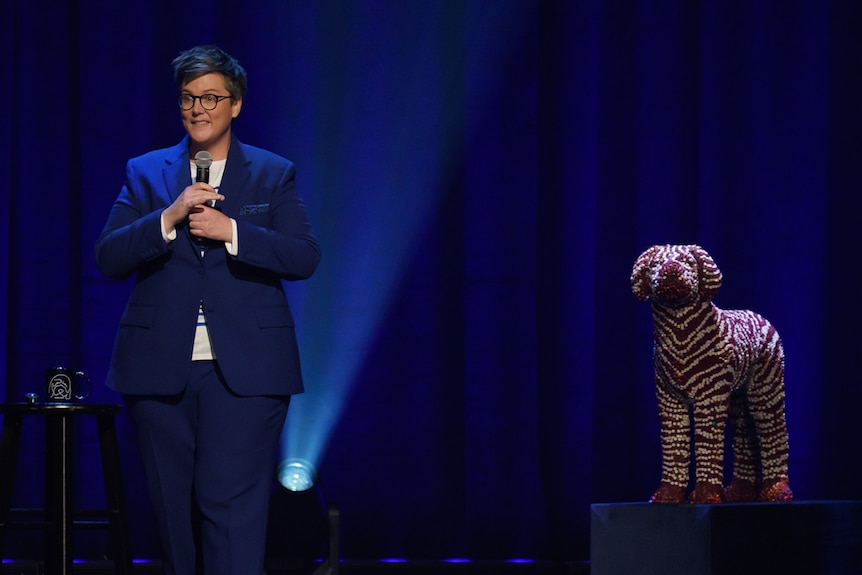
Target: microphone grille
203 159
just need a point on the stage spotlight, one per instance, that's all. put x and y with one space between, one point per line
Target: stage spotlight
302 536
296 475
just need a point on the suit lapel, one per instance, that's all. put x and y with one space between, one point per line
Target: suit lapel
177 171
177 175
236 175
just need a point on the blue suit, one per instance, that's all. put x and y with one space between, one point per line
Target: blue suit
208 431
248 317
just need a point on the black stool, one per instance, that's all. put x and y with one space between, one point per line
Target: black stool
59 517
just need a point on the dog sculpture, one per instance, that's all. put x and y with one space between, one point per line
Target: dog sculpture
717 367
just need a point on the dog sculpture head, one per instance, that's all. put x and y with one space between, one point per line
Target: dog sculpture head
675 275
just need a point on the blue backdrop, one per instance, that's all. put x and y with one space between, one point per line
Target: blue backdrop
482 175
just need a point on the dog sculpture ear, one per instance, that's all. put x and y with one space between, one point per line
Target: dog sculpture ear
640 271
709 276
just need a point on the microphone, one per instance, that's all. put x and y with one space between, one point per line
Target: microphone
203 161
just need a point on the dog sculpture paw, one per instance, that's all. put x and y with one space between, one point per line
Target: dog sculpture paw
667 493
706 493
776 491
740 491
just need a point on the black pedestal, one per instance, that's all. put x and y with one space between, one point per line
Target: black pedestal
810 538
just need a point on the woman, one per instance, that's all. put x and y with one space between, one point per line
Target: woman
206 354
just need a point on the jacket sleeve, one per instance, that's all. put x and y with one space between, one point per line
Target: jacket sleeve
283 243
132 236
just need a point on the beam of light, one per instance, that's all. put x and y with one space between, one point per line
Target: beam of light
343 308
381 183
368 237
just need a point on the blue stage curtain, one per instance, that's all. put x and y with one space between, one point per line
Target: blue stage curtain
482 175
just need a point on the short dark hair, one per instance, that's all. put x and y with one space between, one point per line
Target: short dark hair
201 60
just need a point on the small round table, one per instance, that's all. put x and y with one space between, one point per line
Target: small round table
59 516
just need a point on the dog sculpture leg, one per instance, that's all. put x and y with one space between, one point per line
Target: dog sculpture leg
766 402
674 421
710 422
746 461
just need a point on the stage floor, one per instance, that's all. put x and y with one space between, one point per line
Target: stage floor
347 567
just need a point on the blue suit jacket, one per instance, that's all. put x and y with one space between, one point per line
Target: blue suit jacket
250 322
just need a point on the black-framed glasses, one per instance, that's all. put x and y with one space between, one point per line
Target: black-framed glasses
208 101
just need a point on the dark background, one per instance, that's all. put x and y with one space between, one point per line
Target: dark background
482 175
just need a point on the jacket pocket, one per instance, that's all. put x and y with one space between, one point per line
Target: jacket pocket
138 315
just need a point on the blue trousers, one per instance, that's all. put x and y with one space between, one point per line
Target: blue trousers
209 457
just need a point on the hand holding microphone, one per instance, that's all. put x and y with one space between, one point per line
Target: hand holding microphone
193 199
201 223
